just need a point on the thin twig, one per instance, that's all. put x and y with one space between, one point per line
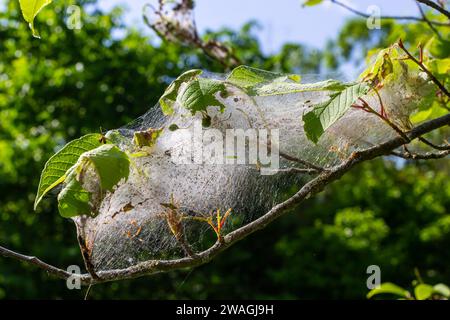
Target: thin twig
88 291
301 161
424 69
435 6
421 156
366 107
365 15
298 170
52 270
433 145
213 49
424 17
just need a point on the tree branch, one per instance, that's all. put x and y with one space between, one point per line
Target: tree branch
299 170
434 146
424 69
35 261
365 15
435 6
419 156
181 27
424 17
301 161
309 189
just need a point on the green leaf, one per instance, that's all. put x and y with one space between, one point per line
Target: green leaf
312 2
200 94
110 165
439 66
260 82
434 111
439 48
73 200
247 77
30 9
170 95
325 114
281 88
56 167
390 288
442 290
423 291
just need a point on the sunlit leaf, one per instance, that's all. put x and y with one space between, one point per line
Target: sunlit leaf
442 289
170 95
312 2
389 288
247 77
30 9
111 164
439 48
381 67
423 291
200 94
281 88
258 82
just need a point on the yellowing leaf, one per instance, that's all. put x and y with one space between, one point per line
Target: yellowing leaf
381 68
146 138
312 2
30 9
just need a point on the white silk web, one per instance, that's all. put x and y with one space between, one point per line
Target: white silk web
132 223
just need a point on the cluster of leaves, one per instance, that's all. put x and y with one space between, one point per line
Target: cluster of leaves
195 94
71 166
30 9
422 291
96 153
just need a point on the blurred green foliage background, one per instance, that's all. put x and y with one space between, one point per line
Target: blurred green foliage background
72 82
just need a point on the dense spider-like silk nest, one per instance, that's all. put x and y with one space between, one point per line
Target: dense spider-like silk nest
131 225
